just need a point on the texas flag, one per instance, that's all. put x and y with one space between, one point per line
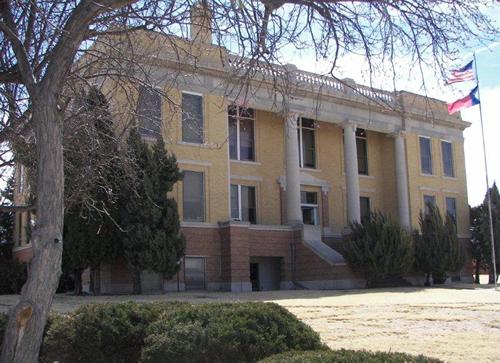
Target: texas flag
465 102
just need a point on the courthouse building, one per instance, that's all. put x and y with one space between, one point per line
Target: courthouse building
272 176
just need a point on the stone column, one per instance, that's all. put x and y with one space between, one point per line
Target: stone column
293 212
351 173
402 180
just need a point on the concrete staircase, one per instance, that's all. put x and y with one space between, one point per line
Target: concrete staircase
312 239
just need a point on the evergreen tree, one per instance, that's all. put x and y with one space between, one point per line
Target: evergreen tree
480 243
379 248
437 248
7 218
477 243
153 240
90 234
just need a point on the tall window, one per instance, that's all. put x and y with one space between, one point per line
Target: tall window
307 143
364 206
429 200
425 155
447 152
309 206
451 208
243 205
193 197
149 112
362 149
241 133
192 118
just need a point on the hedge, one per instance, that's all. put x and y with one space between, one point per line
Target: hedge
226 333
101 333
347 356
181 332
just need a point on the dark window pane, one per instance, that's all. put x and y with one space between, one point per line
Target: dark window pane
362 156
232 110
451 208
360 133
309 215
235 209
307 122
300 146
248 205
308 148
246 140
193 197
447 151
233 138
246 112
364 206
425 155
192 118
428 200
308 197
149 112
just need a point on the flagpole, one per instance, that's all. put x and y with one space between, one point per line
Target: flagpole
488 192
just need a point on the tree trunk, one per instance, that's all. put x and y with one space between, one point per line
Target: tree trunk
477 272
24 331
427 280
491 278
78 282
136 281
95 275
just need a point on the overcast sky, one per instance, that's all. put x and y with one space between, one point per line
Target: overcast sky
488 61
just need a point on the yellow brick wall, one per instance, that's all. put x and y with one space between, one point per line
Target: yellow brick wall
437 184
212 158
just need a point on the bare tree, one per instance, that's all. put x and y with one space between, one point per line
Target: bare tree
47 46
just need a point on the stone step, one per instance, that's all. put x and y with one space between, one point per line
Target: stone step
328 254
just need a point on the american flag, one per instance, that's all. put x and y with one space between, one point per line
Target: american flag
465 73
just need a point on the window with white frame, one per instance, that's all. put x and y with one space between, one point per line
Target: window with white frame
447 154
429 201
149 112
241 133
362 151
364 207
307 142
192 118
193 196
309 206
425 155
451 208
243 204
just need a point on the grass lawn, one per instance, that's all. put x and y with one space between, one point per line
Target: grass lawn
456 324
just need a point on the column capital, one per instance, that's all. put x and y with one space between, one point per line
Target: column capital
397 133
291 116
349 124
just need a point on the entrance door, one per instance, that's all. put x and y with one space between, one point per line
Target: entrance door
194 273
254 276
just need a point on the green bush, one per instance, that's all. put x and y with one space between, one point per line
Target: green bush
379 248
239 332
437 248
101 333
180 332
347 356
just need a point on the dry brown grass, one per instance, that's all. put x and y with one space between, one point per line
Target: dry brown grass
459 324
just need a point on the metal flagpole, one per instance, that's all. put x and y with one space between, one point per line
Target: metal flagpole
488 192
